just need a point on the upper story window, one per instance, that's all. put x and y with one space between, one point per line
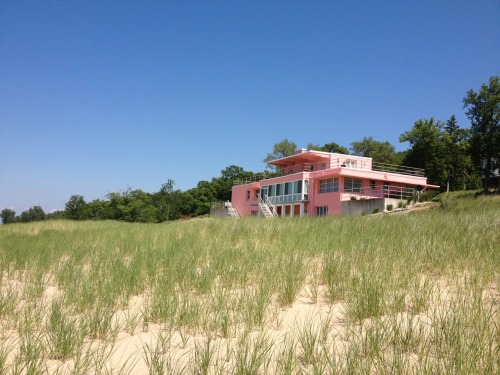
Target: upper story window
350 163
329 185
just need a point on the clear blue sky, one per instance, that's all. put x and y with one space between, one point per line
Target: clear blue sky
98 96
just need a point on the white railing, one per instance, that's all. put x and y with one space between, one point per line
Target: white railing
395 192
314 167
268 203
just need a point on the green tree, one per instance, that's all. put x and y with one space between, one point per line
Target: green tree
76 208
427 149
459 171
380 152
99 210
203 195
280 150
8 216
140 205
223 185
56 215
483 110
35 213
329 147
168 202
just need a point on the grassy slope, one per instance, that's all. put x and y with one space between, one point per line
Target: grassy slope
224 278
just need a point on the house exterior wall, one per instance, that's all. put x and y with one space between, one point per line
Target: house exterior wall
358 207
240 200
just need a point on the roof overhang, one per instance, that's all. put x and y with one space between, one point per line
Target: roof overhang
302 158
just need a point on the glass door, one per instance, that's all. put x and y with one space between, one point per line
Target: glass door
263 193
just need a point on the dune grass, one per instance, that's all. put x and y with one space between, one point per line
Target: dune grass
399 293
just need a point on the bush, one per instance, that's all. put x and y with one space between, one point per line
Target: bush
376 211
390 207
353 198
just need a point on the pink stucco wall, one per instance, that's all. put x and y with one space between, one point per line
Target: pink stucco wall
239 198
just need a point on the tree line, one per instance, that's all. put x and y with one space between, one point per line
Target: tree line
454 158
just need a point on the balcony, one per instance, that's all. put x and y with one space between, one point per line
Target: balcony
313 167
394 192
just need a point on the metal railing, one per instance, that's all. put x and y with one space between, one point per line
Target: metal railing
268 203
395 192
220 208
314 167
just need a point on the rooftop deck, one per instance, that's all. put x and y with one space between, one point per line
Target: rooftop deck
312 167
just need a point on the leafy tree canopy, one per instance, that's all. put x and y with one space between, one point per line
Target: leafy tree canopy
280 150
329 147
76 208
380 152
8 216
35 213
483 110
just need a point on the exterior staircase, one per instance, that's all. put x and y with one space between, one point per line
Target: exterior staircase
233 212
266 208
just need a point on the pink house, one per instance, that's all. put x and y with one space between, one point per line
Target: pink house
317 183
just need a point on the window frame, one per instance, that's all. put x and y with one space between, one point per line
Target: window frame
321 210
329 185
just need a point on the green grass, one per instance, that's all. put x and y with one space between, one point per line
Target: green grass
420 285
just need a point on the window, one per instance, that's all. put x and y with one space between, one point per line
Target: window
322 211
271 190
372 184
350 163
323 166
297 187
329 185
353 185
248 194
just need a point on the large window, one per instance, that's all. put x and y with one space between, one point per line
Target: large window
329 185
322 211
353 185
285 192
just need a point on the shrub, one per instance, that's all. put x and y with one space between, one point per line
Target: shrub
353 198
390 207
376 211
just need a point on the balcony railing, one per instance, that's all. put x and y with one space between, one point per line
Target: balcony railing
313 167
395 192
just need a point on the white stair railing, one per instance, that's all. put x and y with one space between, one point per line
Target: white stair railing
266 207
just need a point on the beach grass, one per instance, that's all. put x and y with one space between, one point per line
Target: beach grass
405 292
